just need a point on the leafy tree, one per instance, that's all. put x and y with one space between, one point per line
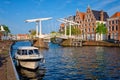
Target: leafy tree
74 31
7 30
53 32
101 29
32 32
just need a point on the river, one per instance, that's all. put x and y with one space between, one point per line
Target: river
74 63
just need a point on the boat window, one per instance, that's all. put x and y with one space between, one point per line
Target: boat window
30 52
24 52
36 51
18 51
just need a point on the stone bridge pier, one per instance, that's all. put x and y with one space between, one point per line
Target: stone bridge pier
39 42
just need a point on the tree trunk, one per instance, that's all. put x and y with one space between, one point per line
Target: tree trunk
100 36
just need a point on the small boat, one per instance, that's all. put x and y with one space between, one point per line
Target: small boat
28 57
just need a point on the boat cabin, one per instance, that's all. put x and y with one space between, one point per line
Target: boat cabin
28 51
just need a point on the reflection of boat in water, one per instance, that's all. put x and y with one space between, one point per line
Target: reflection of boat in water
26 74
28 57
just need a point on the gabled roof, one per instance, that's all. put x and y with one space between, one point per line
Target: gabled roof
97 15
117 14
62 25
81 15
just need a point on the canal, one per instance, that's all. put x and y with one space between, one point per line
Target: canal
74 63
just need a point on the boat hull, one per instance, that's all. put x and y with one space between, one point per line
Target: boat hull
29 64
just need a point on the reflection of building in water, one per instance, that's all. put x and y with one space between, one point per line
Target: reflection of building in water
31 74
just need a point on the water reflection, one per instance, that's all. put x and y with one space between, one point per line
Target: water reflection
77 63
26 74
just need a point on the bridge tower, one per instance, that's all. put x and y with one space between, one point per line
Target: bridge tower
39 37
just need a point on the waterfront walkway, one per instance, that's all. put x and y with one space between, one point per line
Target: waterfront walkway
6 67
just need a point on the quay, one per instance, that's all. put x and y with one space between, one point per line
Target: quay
79 43
7 68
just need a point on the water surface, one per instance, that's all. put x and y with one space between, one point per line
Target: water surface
75 63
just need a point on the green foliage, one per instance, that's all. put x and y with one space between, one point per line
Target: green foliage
53 32
74 31
32 32
101 29
6 28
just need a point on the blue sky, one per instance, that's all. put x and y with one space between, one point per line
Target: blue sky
13 13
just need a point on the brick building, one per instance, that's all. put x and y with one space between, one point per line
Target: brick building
88 22
22 36
62 26
113 24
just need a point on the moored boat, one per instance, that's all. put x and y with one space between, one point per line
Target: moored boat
28 57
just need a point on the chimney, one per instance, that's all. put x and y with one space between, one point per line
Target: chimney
101 15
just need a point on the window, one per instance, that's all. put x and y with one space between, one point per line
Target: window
109 22
19 51
109 28
93 29
112 35
112 28
30 52
99 18
112 22
116 28
116 21
89 30
36 51
24 52
93 24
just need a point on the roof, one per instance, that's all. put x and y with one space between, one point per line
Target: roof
71 18
81 15
62 25
97 15
117 14
22 34
27 47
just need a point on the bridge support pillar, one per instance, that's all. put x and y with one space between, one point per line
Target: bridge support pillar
39 42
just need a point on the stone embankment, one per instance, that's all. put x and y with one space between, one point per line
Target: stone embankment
70 43
100 43
6 65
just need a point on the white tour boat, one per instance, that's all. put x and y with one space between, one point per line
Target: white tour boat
28 57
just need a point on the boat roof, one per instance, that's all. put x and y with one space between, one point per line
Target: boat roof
27 47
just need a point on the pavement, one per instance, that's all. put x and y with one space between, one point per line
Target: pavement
6 67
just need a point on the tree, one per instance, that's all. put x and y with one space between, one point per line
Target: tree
74 30
32 33
53 32
7 30
101 29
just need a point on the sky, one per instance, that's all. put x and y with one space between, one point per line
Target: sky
13 13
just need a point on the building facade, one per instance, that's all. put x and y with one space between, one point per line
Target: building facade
22 36
88 23
62 25
113 24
